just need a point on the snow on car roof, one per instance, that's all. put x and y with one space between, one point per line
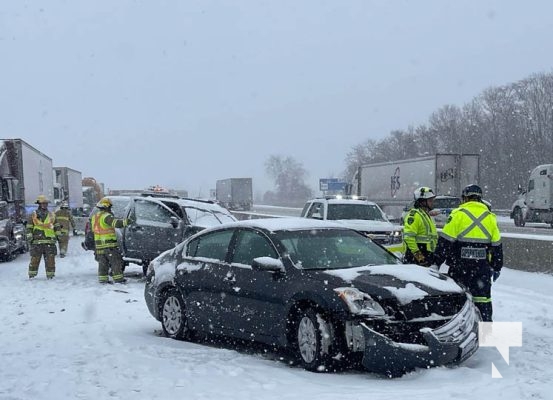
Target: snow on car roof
350 201
288 223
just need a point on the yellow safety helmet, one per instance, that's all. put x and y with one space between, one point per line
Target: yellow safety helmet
104 203
42 199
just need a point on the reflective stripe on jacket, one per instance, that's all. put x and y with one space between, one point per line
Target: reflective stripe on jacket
65 220
472 222
419 228
103 226
42 231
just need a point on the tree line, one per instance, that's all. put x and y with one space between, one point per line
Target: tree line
510 126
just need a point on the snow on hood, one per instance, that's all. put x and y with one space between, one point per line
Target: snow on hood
409 274
407 294
366 224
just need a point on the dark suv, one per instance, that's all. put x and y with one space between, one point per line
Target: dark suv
161 223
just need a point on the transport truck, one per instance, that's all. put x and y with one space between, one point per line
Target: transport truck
534 203
391 184
235 193
68 187
25 173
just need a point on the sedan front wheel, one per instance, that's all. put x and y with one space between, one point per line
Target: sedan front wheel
313 339
173 315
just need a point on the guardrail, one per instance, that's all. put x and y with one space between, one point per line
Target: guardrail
520 251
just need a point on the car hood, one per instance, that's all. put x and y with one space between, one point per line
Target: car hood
404 283
366 225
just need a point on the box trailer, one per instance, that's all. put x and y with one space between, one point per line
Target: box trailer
391 184
235 193
68 186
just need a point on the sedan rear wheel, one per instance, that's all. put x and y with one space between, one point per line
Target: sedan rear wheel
173 316
312 341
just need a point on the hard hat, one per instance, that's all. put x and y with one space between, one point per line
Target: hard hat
104 203
423 193
64 204
42 199
472 190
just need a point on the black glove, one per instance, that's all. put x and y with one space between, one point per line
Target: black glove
75 233
495 275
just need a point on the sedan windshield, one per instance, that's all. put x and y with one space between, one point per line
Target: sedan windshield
333 249
354 211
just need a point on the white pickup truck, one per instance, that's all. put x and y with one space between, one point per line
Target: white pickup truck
357 213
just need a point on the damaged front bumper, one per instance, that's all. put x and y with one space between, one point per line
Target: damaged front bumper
449 344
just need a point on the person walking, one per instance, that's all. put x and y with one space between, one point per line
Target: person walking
470 244
42 232
419 230
107 251
65 221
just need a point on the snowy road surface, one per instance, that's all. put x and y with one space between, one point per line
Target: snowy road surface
71 338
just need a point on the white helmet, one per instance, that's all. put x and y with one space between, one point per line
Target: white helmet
423 193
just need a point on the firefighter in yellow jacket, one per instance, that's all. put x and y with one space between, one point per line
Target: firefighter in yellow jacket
107 250
42 232
419 230
470 244
65 221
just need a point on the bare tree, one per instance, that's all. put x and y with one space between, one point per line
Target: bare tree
289 177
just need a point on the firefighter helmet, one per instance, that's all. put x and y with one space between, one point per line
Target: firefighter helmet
104 203
472 191
42 199
423 193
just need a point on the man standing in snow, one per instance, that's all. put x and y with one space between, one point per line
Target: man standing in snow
419 229
41 235
65 220
107 251
470 244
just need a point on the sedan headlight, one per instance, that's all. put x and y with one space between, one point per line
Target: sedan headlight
360 303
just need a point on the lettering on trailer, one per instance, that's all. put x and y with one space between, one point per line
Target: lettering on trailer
394 182
447 175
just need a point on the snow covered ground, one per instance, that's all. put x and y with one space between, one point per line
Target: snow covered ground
71 338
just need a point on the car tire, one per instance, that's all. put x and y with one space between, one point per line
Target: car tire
173 315
519 219
309 342
145 264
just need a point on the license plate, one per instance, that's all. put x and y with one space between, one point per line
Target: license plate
474 253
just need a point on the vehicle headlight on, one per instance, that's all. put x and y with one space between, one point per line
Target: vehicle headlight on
360 303
396 236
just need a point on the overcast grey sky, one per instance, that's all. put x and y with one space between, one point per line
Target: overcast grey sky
182 93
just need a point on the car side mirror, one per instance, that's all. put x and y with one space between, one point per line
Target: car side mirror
174 222
268 264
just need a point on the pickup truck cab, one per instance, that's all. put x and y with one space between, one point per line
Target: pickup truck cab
357 213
